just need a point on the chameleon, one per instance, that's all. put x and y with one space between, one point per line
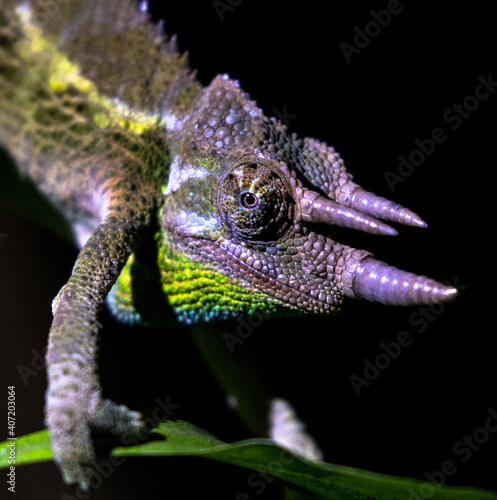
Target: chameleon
188 203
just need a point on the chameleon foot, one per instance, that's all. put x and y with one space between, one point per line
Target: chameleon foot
73 411
72 443
116 419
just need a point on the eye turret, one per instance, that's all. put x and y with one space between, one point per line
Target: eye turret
255 204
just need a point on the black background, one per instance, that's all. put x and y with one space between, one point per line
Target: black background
371 109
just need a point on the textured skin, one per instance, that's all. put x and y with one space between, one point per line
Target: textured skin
191 192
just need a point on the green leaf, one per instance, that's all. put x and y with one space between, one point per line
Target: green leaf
177 438
28 449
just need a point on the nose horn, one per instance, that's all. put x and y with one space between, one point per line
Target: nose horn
352 195
376 281
317 208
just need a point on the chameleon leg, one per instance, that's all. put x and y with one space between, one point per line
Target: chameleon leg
74 403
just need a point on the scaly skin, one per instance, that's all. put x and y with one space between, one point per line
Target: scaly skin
103 114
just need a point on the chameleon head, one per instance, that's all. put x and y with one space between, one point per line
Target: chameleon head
254 206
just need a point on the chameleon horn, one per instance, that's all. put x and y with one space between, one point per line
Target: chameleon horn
352 195
317 208
376 281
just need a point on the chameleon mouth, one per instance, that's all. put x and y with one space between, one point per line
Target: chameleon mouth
361 277
372 280
261 291
321 300
357 275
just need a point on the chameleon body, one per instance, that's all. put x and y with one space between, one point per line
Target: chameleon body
102 112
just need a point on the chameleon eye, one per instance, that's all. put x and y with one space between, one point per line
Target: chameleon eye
249 200
255 204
